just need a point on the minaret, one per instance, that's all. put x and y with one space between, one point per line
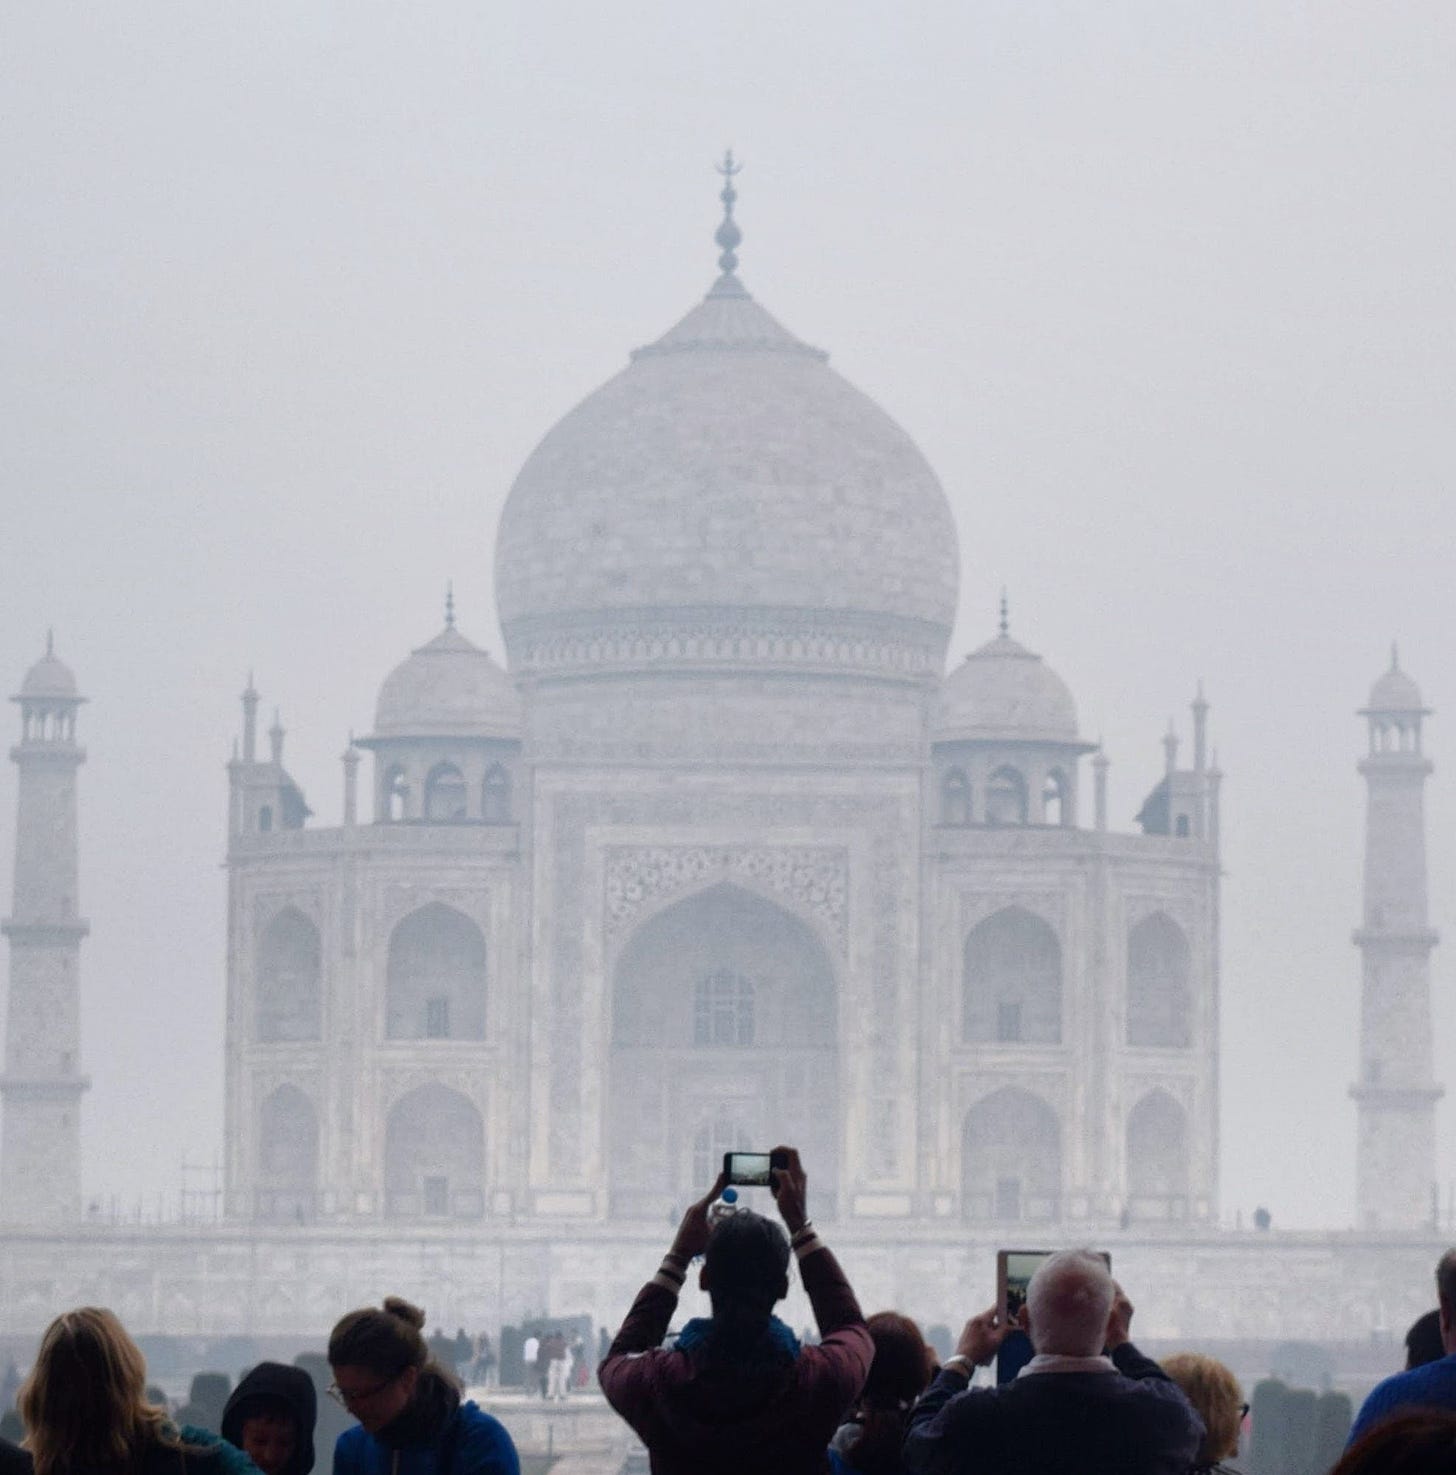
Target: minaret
40 1151
1396 1096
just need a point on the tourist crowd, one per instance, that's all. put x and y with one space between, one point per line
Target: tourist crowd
735 1390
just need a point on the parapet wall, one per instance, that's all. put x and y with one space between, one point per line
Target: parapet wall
217 1280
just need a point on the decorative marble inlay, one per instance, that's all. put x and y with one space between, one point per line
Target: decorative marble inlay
815 878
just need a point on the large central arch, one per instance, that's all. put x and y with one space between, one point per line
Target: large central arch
724 1033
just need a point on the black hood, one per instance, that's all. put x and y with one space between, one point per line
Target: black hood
273 1383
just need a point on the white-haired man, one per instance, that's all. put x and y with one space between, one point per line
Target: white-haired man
1073 1409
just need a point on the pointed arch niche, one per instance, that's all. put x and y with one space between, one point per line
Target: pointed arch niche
288 1136
1011 1159
288 998
435 977
1157 1158
1012 981
1159 999
434 1156
724 1010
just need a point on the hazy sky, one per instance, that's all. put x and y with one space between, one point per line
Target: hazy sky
1164 292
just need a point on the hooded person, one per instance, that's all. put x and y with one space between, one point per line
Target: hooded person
271 1417
412 1420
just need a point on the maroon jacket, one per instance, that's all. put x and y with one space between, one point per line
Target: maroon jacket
699 1419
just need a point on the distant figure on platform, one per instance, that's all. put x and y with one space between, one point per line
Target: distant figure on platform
271 1417
411 1418
85 1408
1432 1385
462 1356
1072 1410
531 1373
483 1368
558 1367
737 1392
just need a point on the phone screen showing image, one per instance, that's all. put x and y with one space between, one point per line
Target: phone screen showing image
750 1169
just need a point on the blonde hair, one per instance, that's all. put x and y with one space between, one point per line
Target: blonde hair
1216 1397
84 1404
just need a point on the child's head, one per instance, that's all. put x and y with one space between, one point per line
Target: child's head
269 1438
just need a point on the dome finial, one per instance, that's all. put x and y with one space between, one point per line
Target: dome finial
1005 626
50 640
450 604
1394 657
728 235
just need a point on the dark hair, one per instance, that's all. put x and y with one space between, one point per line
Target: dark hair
1446 1280
1423 1341
898 1376
747 1265
1420 1442
386 1341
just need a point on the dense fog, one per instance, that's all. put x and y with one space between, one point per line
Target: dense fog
1163 295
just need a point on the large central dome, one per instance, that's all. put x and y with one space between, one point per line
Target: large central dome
727 498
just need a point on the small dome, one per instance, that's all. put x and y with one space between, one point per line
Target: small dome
49 677
448 688
1395 691
1004 691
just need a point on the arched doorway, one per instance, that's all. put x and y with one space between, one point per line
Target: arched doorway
287 1187
288 1003
724 1029
1011 1159
1157 1158
1159 1002
434 1156
435 977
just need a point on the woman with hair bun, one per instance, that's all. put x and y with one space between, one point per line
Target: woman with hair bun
411 1418
869 1443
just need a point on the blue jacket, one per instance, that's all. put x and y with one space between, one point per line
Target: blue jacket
470 1443
1430 1386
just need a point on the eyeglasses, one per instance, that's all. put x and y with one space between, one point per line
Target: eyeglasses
363 1395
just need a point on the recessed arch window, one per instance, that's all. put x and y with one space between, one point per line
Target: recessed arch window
955 798
1012 983
713 1138
495 795
434 1156
1157 1158
435 977
288 994
1056 808
446 800
1159 997
1011 1159
723 1009
287 1184
1006 797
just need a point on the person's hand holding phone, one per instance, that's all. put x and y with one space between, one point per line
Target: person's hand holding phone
1119 1323
692 1234
789 1185
981 1337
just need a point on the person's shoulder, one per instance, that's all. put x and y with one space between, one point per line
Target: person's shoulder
13 1459
485 1439
352 1447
